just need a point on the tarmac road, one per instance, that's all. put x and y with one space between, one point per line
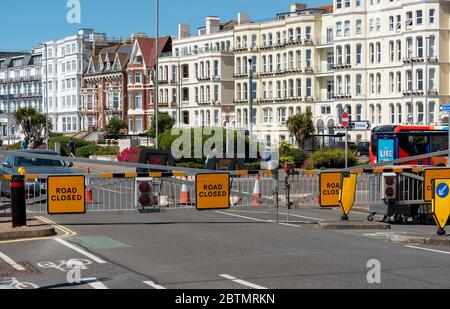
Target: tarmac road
233 249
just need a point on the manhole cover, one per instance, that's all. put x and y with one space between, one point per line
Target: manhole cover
7 270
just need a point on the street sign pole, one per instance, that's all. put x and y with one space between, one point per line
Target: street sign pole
346 148
345 124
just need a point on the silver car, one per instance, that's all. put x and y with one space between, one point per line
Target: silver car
34 166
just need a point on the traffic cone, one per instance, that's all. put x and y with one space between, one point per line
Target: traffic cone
257 191
89 195
185 195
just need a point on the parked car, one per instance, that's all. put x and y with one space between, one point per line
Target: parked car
35 166
363 149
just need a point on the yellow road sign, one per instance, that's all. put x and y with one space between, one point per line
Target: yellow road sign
347 194
66 195
428 176
330 184
440 205
212 191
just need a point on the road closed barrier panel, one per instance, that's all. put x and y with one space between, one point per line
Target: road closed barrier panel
330 184
440 205
212 191
347 195
66 195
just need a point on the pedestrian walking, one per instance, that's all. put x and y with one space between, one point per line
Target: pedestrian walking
71 148
25 143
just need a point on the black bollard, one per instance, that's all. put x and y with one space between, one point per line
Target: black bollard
19 214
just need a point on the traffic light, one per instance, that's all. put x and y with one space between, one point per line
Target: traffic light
144 192
389 186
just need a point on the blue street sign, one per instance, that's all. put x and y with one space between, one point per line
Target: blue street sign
445 108
442 190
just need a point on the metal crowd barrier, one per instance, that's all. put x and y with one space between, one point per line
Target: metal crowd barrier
119 192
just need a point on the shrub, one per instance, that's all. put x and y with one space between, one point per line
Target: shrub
129 155
332 158
295 155
85 151
92 150
63 140
15 146
252 166
190 165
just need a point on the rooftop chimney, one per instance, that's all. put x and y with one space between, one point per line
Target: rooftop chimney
297 7
243 18
184 31
212 24
138 35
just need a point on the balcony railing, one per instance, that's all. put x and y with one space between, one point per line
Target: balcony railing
324 68
196 52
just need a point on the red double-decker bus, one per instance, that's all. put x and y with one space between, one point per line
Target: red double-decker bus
396 142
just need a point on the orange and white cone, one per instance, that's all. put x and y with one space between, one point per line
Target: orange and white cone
89 195
185 198
257 191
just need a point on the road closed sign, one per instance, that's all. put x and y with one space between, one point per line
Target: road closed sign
66 195
212 191
330 184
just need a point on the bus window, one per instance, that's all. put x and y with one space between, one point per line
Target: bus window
439 143
413 145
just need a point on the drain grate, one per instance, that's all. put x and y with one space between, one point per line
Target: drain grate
7 270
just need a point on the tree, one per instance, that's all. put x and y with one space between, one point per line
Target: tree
301 126
114 128
32 123
165 122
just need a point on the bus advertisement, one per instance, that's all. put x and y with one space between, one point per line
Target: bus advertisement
396 142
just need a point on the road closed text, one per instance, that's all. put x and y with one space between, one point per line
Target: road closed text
66 194
213 191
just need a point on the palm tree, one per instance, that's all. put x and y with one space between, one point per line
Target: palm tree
301 126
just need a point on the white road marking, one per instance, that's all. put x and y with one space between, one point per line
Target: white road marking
244 217
10 261
426 249
249 211
304 217
94 283
243 282
79 250
154 285
288 224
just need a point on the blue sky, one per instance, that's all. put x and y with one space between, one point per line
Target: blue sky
26 23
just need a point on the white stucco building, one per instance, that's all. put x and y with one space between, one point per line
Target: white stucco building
196 78
20 86
66 61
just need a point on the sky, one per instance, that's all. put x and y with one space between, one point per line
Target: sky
26 23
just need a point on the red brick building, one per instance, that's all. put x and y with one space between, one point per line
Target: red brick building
141 71
104 89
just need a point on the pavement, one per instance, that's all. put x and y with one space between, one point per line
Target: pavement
34 229
242 248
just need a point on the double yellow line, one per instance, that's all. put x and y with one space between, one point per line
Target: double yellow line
66 232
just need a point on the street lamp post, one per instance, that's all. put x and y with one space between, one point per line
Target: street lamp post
250 97
157 75
426 80
46 99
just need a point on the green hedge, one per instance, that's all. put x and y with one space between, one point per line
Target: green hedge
15 146
92 150
63 140
332 158
190 165
252 166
